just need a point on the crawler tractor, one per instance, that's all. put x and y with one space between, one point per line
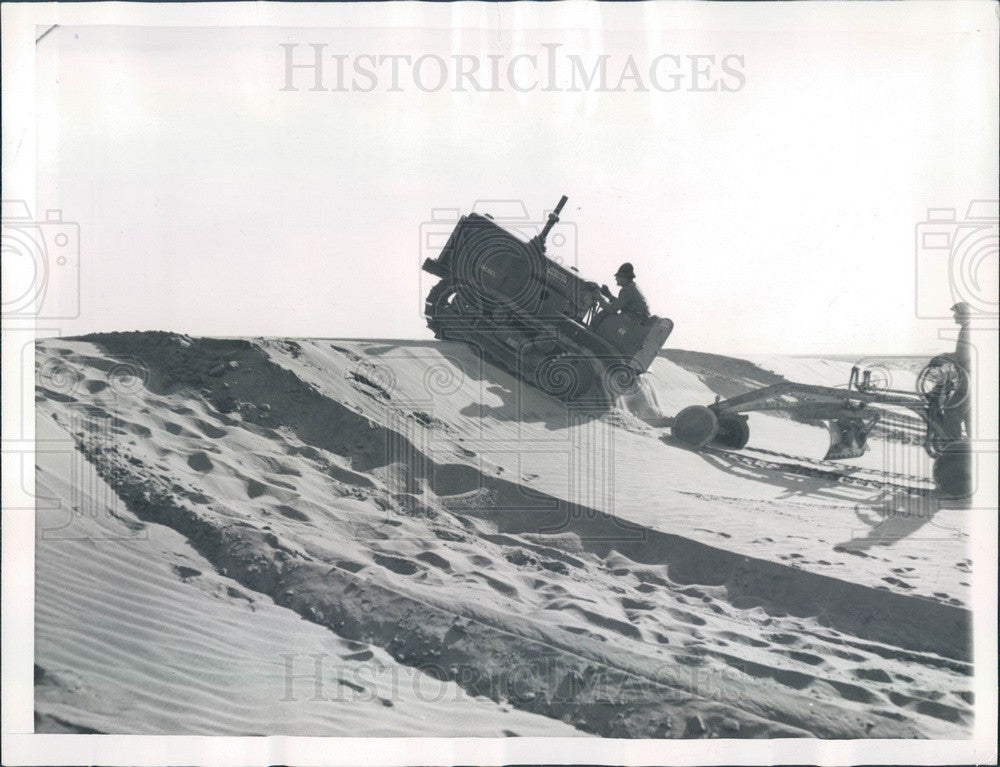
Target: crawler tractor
534 317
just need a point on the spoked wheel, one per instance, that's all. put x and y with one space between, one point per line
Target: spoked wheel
733 434
564 377
695 425
953 471
940 379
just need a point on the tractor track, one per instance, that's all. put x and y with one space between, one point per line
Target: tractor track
818 469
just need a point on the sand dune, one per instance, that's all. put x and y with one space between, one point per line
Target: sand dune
137 633
554 567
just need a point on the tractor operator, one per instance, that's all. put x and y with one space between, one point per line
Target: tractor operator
630 298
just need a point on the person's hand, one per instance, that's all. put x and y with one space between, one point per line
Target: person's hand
606 290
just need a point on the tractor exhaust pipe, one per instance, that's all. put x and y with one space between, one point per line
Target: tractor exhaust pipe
538 241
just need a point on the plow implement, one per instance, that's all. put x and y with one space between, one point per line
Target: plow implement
849 415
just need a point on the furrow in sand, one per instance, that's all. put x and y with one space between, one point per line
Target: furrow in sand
205 698
104 645
114 602
114 605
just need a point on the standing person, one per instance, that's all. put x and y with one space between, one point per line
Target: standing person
962 313
961 408
630 298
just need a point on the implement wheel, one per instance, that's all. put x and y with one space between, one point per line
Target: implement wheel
695 425
952 471
733 434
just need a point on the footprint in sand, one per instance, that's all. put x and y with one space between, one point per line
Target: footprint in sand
255 489
507 589
803 657
186 573
897 582
361 657
396 564
686 617
845 655
872 675
635 604
852 692
433 559
554 566
448 535
519 558
139 430
290 513
783 638
210 431
743 639
351 567
277 467
200 461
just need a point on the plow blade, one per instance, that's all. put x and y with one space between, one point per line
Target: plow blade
848 438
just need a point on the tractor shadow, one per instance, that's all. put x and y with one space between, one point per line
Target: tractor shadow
520 403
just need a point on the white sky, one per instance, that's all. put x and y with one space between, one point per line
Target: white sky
777 218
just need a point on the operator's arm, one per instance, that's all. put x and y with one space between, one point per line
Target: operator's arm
963 349
603 296
623 300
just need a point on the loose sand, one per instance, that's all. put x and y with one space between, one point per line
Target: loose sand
414 517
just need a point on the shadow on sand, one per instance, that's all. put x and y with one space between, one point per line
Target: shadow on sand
894 516
795 480
896 513
519 402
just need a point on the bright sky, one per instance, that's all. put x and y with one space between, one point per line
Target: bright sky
779 217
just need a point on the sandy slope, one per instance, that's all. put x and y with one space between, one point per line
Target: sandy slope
137 633
579 566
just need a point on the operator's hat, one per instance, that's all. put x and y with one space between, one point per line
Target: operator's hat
626 270
962 308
